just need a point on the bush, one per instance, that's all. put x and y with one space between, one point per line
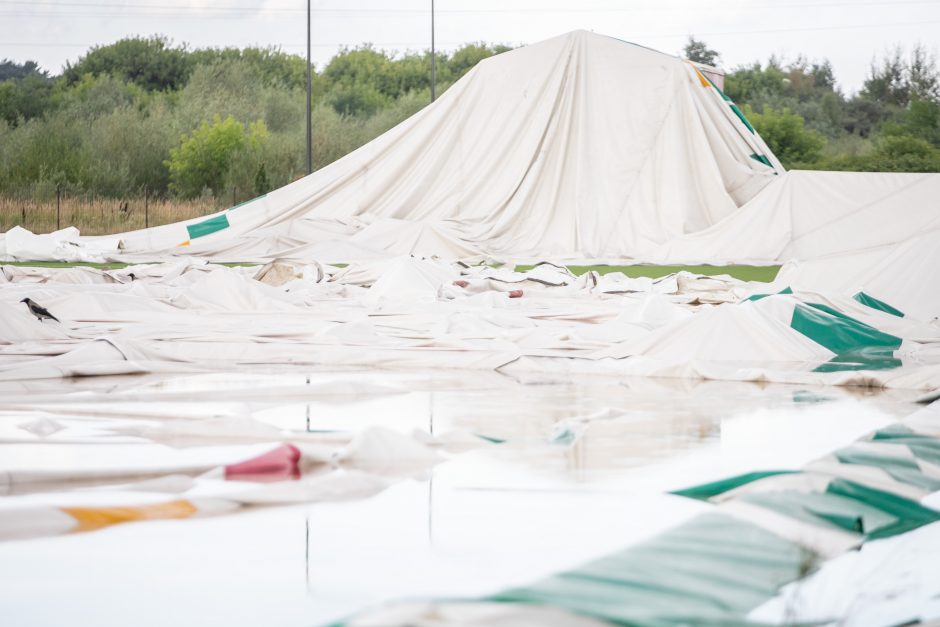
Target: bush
892 153
212 156
151 63
787 137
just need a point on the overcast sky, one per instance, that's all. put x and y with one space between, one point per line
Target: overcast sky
847 32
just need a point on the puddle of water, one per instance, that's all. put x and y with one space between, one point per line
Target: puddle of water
580 472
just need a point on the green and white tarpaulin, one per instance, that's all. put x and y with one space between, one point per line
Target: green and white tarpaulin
768 529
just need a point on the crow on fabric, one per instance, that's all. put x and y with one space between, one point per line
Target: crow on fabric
38 310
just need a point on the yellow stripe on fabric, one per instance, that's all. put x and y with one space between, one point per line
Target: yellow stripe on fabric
186 243
91 518
705 82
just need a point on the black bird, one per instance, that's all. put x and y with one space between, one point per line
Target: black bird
38 310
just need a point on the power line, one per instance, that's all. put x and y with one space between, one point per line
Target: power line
189 9
457 43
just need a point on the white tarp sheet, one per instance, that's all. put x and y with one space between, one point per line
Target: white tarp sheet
430 314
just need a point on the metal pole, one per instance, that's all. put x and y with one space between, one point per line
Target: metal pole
146 207
58 206
433 73
234 189
309 120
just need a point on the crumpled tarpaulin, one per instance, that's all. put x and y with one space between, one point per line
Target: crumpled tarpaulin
98 490
578 146
427 313
768 529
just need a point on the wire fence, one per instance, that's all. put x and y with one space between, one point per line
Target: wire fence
43 209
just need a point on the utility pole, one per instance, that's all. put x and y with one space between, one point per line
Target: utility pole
433 76
309 120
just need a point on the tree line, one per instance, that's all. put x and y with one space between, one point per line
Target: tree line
143 113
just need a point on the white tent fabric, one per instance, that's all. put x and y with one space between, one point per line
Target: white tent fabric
810 215
581 147
578 146
416 313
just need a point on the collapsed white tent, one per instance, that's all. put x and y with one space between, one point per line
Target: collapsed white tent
581 146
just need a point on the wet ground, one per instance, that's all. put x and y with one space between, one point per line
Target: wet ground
564 470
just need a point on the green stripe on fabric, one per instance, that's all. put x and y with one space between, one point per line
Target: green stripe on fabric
839 333
803 396
848 505
909 514
762 159
903 469
874 303
897 431
201 229
823 509
724 96
922 446
247 202
864 359
740 115
734 108
711 570
754 297
706 491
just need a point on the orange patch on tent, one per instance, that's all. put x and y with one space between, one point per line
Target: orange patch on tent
186 243
91 518
701 78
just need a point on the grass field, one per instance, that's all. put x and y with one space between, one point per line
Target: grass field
744 273
100 216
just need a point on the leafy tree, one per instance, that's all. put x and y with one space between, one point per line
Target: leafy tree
223 88
25 98
358 99
10 70
204 157
887 82
53 149
786 136
806 88
895 153
364 65
921 120
923 77
893 85
413 72
270 66
95 96
699 52
464 59
754 83
127 149
904 153
152 63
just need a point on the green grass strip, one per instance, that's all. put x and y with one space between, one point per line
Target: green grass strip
764 274
744 273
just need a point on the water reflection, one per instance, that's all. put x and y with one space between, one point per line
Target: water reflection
556 470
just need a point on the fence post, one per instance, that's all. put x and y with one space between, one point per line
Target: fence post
233 195
146 207
58 207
